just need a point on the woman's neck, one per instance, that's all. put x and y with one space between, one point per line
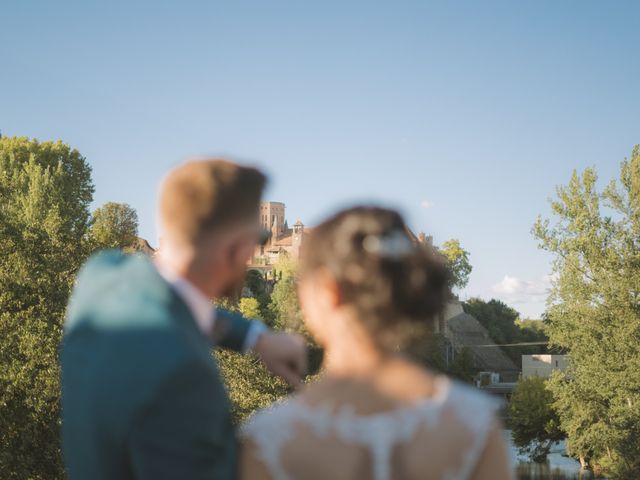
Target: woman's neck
348 357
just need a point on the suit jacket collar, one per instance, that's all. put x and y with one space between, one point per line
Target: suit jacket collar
202 309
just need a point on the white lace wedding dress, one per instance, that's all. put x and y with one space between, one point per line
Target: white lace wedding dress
437 438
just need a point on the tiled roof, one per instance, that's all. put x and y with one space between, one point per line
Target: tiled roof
465 331
284 241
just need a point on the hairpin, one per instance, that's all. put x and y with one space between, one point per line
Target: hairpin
394 244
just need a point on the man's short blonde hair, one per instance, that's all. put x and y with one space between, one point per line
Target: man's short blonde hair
202 197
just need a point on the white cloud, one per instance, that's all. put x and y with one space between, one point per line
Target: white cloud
518 291
426 204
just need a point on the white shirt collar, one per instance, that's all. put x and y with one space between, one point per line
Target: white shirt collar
202 309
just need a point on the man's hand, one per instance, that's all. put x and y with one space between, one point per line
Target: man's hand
284 354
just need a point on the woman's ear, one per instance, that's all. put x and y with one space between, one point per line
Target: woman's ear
327 284
319 291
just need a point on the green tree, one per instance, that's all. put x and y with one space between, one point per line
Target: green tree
249 307
583 419
534 422
593 313
532 330
255 282
497 317
458 260
260 288
285 266
285 307
45 192
248 382
505 327
115 225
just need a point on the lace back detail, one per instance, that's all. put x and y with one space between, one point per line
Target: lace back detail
273 428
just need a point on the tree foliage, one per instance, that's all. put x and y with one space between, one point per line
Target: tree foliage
45 192
250 307
256 283
497 317
505 327
285 267
458 260
594 314
285 307
534 422
248 382
115 225
260 288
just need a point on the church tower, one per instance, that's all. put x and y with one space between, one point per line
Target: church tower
296 240
272 218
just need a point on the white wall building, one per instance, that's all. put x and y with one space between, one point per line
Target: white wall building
542 365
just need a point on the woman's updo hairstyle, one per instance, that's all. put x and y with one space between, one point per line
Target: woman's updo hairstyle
394 282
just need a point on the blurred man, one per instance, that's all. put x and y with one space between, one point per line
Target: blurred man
142 396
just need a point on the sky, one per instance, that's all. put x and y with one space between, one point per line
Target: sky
463 115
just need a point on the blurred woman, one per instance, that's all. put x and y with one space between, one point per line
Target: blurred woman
364 288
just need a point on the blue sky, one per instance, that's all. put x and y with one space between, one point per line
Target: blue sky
465 115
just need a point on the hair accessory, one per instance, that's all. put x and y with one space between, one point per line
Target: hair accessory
394 244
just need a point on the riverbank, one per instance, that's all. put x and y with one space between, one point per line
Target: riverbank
557 466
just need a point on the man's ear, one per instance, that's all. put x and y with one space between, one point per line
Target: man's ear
239 253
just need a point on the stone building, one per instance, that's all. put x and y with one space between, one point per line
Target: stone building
287 240
284 240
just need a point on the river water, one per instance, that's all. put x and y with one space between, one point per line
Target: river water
557 466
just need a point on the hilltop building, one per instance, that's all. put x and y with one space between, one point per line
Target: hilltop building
284 240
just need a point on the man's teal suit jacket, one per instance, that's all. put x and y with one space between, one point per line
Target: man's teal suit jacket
142 396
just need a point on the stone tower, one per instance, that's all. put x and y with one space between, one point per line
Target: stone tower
296 239
272 218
